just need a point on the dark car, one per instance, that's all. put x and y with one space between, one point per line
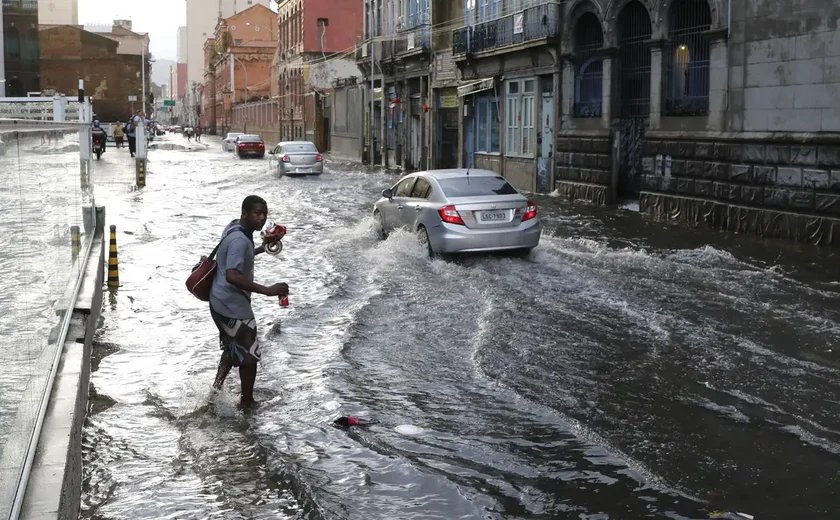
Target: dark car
250 146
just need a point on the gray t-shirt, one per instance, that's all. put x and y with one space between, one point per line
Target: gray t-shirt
235 252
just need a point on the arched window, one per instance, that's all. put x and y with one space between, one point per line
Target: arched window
634 31
13 43
687 58
30 46
588 66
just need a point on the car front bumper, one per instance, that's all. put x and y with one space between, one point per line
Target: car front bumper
453 238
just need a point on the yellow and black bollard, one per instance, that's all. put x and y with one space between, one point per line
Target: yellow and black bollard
113 264
141 172
75 241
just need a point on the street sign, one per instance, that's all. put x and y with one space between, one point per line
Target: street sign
132 98
169 102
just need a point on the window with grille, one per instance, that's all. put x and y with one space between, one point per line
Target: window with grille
589 39
687 58
634 31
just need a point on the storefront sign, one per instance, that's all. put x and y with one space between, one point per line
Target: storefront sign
475 86
449 98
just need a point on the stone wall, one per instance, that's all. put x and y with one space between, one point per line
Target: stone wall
583 166
784 66
779 188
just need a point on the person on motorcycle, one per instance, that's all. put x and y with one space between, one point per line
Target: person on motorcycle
99 135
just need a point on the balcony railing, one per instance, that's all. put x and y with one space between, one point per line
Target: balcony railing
533 23
415 39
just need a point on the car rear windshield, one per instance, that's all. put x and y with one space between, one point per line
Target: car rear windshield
300 148
476 186
249 138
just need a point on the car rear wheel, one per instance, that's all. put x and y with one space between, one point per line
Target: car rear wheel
423 237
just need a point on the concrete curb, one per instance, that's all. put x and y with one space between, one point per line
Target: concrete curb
55 483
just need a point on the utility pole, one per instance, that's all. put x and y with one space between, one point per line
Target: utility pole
143 68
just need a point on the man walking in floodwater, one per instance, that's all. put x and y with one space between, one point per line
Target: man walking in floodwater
230 297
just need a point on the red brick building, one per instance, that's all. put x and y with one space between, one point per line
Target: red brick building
309 32
69 53
244 39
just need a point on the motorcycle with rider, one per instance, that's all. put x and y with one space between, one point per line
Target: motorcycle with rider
100 138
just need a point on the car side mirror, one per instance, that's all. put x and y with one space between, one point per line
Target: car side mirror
388 194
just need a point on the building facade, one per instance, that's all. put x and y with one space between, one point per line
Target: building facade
69 53
21 54
243 44
396 59
202 17
58 12
707 111
315 43
182 44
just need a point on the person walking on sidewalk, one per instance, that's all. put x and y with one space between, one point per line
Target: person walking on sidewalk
119 135
230 298
131 135
198 134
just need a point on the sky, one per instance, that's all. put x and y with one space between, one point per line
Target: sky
160 18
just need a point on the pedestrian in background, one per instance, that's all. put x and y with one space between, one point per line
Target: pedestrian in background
198 133
130 133
119 135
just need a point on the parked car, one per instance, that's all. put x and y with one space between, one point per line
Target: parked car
297 158
458 211
250 146
229 144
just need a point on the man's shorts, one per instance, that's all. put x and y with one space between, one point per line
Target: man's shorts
238 338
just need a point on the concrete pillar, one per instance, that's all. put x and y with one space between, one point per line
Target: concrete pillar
656 76
567 99
607 91
718 83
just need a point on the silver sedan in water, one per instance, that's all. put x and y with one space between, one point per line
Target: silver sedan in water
296 158
458 211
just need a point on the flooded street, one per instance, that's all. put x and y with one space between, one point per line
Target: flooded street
625 370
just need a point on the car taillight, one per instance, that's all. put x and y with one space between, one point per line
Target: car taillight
530 211
319 158
242 145
450 215
286 158
260 145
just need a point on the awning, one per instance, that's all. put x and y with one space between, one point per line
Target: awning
476 86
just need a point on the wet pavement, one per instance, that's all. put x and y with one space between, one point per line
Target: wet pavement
625 370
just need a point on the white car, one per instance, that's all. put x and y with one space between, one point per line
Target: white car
229 144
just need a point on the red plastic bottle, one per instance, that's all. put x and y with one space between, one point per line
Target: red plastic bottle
284 301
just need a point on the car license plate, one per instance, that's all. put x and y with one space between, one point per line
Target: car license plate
304 170
493 216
